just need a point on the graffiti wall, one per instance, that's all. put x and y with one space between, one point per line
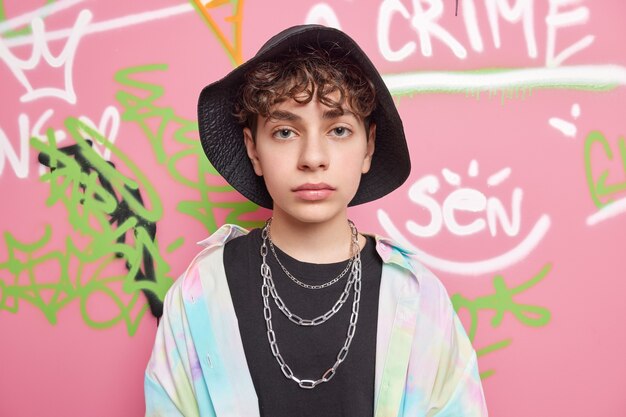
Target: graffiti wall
515 115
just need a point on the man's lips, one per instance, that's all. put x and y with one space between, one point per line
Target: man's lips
313 192
318 186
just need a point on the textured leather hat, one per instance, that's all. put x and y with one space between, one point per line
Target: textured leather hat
221 134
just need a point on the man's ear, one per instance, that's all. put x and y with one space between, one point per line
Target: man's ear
371 142
252 152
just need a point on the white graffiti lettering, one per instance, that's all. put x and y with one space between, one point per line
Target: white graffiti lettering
471 25
471 268
567 128
20 162
424 18
462 199
490 214
108 127
41 51
423 21
322 14
387 9
557 19
607 212
105 25
522 10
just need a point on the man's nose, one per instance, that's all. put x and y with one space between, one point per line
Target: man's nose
314 152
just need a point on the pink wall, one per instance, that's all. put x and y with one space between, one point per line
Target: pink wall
517 198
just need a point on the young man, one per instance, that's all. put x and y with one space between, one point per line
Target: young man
307 317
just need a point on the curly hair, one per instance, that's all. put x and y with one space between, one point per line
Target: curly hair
303 75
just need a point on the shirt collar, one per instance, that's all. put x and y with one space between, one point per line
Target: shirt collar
223 235
393 253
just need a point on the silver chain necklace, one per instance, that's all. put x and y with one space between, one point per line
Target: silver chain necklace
268 288
265 234
355 237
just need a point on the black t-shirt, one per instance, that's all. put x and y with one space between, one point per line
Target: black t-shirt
309 351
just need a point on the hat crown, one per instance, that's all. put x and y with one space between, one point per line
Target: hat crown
288 33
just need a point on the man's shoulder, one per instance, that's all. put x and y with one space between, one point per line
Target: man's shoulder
189 286
222 235
214 243
397 254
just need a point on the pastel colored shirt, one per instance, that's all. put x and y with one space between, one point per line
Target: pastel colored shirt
425 364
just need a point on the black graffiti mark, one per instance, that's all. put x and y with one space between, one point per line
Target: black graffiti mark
119 216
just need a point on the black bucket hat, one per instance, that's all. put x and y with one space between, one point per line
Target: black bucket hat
222 138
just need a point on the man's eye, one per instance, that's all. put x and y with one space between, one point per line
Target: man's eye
341 131
283 133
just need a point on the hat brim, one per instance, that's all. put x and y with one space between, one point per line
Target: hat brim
222 138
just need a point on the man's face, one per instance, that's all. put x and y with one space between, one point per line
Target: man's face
311 158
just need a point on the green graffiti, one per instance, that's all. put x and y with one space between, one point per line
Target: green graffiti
24 30
21 263
175 245
501 302
113 209
601 192
114 255
50 294
158 123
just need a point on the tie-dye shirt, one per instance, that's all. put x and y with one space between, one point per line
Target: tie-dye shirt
425 364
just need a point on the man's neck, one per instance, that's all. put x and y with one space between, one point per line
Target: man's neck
325 242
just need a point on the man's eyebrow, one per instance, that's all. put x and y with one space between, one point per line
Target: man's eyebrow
337 113
326 115
283 115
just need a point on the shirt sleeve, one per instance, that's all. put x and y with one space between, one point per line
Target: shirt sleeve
168 384
457 389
